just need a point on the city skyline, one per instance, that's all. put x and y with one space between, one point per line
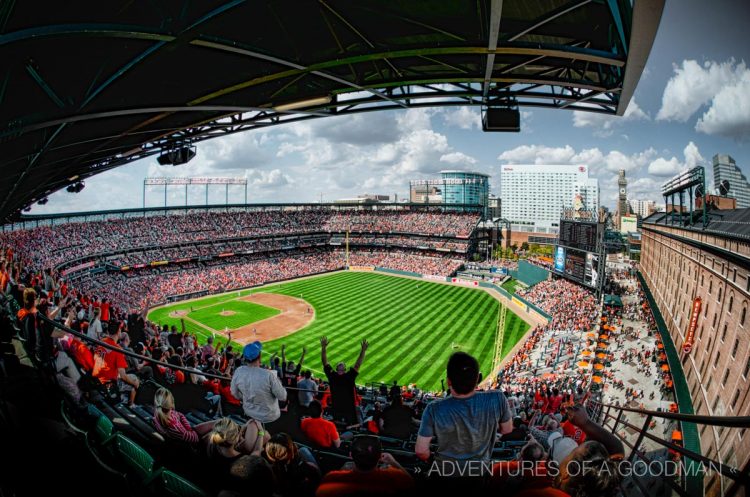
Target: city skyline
693 101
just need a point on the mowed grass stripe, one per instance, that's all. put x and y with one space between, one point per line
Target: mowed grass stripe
466 327
430 327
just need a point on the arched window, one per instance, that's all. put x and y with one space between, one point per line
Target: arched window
731 302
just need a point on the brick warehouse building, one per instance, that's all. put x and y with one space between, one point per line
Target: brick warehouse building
679 265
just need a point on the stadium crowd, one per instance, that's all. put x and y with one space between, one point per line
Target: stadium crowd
50 246
287 411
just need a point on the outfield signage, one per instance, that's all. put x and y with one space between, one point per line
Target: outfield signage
85 265
459 281
433 277
690 335
519 303
361 268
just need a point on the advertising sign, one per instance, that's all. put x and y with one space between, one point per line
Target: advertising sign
560 259
690 335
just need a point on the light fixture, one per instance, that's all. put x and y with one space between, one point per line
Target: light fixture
76 187
310 102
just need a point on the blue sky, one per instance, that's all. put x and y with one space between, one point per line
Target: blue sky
692 102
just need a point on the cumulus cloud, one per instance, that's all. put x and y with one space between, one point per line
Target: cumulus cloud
665 167
729 114
605 124
463 117
458 158
672 166
537 154
722 86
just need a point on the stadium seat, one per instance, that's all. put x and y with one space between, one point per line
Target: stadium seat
330 461
103 431
139 462
172 484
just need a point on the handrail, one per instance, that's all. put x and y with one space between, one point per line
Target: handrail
723 421
696 462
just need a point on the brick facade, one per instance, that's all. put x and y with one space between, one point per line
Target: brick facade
678 266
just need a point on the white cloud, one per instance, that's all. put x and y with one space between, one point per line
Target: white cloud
604 124
273 178
665 167
693 156
537 154
463 117
672 166
612 161
459 158
729 114
724 87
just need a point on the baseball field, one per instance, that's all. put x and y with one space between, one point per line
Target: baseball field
413 326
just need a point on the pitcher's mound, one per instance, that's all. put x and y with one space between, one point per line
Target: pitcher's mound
227 313
178 314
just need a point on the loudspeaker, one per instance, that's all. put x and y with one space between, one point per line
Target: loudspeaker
176 156
500 119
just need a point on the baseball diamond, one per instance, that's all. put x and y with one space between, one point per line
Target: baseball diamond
413 326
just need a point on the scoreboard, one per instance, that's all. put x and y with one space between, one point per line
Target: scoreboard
577 256
579 235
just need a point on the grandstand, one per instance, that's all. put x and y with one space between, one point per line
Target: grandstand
315 349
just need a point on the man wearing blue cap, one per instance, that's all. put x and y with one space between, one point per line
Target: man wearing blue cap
259 390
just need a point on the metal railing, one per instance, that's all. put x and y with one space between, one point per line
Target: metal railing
690 483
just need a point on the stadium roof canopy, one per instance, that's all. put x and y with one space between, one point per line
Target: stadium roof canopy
88 86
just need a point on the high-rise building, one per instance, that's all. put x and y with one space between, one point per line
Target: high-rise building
643 208
462 187
425 192
725 169
494 207
534 195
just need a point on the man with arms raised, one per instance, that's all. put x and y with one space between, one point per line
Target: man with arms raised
465 423
342 384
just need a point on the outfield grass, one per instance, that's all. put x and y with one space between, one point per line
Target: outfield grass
515 329
510 285
245 313
411 325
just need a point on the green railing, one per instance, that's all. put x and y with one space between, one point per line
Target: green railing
691 439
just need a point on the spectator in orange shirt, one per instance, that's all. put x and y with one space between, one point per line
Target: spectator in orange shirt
321 432
366 477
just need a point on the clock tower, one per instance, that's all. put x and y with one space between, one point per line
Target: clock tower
622 200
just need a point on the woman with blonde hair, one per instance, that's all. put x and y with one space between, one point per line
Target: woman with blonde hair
295 470
229 440
172 424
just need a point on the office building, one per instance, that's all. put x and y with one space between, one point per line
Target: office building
725 169
462 187
643 208
534 195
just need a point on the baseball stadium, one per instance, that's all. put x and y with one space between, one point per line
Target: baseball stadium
361 346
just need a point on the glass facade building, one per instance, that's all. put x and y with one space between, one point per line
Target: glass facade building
462 187
725 168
